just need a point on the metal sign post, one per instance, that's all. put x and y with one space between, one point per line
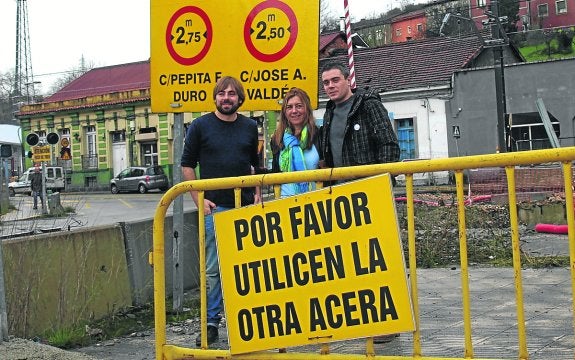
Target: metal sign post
456 135
178 216
43 198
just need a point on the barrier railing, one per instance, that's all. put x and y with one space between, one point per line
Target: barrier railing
509 161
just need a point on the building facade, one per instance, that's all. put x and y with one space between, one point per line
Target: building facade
105 124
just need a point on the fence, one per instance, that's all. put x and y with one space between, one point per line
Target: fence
509 161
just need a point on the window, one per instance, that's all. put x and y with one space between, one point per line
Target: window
406 138
481 3
409 29
419 28
528 132
149 154
92 154
398 32
560 7
379 34
118 136
543 10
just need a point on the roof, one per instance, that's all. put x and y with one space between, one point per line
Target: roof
412 64
401 66
9 134
106 80
409 15
326 39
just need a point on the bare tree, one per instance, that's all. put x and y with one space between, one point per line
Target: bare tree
6 97
72 74
327 20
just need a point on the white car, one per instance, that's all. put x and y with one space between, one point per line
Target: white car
54 181
20 186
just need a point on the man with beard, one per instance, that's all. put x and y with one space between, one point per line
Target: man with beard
224 144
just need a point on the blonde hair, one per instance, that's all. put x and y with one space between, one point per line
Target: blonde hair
283 122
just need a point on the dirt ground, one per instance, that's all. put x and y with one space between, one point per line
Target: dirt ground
136 346
20 349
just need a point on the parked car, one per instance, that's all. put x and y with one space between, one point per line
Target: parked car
140 179
54 181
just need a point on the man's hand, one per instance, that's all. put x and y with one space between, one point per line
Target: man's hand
208 207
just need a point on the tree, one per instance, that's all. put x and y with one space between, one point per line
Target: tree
327 21
6 98
509 8
71 75
456 26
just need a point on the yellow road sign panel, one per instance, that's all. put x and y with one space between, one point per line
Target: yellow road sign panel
41 153
270 45
323 266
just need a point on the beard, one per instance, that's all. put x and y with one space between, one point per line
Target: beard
228 111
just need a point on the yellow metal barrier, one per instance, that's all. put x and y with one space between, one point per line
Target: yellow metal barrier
508 160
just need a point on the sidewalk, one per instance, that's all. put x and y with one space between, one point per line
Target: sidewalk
547 309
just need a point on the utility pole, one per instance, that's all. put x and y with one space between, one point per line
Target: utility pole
3 311
498 67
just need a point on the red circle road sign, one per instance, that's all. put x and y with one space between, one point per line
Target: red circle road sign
293 29
208 35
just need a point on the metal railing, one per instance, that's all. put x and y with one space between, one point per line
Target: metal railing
507 160
89 162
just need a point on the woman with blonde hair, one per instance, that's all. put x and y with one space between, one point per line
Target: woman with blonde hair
294 144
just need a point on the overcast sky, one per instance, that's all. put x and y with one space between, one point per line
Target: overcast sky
104 32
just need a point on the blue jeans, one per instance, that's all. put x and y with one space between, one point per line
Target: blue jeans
37 194
214 285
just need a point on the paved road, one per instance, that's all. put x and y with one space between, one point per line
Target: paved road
90 209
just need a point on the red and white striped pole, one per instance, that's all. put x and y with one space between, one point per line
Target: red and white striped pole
349 46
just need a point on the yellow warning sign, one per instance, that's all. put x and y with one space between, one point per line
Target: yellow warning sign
41 153
269 45
323 266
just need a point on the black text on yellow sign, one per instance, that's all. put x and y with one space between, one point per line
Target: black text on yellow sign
41 153
319 267
270 45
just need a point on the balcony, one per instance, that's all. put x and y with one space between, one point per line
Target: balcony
89 162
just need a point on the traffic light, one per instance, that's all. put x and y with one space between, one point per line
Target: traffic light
5 151
52 138
32 139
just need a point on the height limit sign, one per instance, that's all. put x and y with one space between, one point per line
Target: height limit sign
269 45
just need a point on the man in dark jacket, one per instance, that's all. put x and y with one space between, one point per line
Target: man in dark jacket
356 127
36 186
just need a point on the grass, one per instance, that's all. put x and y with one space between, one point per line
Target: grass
65 338
542 52
488 237
125 322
